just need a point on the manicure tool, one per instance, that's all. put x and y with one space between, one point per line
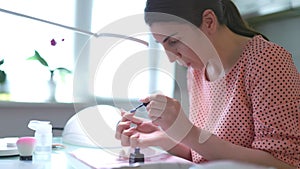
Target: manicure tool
139 106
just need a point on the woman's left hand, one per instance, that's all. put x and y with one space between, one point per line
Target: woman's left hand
167 113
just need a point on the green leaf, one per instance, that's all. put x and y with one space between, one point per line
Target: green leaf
38 57
63 72
1 62
2 77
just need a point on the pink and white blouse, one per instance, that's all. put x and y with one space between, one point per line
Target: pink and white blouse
259 105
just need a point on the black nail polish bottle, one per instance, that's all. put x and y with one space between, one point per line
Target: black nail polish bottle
136 157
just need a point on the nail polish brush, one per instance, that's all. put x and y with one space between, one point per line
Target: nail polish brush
139 106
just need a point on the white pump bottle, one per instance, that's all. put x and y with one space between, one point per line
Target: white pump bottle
43 135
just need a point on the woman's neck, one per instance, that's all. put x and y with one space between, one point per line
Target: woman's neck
230 47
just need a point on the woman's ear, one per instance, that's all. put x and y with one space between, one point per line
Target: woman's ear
209 22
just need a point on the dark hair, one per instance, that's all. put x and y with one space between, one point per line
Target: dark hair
192 10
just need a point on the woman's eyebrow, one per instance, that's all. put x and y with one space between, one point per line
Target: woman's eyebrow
168 37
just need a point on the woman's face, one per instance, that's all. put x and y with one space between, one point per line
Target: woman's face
179 42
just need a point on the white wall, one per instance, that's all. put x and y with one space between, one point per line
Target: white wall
14 117
285 32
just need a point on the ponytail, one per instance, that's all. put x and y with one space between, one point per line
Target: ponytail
234 21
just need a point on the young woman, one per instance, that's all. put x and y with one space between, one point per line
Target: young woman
244 90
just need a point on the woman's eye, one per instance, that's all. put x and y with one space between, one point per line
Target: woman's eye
172 42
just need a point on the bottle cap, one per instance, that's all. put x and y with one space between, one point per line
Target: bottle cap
40 126
137 150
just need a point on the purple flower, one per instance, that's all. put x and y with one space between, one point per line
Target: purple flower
53 42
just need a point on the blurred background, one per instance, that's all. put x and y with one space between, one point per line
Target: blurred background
28 91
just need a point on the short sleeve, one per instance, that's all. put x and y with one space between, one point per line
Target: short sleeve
275 95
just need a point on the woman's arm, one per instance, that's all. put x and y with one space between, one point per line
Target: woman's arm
215 149
179 150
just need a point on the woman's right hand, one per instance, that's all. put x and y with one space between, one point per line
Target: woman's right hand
144 134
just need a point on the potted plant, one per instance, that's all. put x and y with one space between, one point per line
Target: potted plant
4 93
61 70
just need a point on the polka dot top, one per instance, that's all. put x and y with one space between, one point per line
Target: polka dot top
256 105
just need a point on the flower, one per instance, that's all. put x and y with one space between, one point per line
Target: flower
53 42
62 71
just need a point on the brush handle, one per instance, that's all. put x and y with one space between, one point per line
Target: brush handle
139 106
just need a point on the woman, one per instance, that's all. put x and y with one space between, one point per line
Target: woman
244 91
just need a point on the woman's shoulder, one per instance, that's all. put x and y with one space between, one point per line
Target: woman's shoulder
258 46
260 50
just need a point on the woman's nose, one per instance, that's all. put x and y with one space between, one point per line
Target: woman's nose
173 55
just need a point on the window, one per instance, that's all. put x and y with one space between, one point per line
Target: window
28 80
128 69
20 37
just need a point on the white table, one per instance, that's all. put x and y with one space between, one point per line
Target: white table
75 157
